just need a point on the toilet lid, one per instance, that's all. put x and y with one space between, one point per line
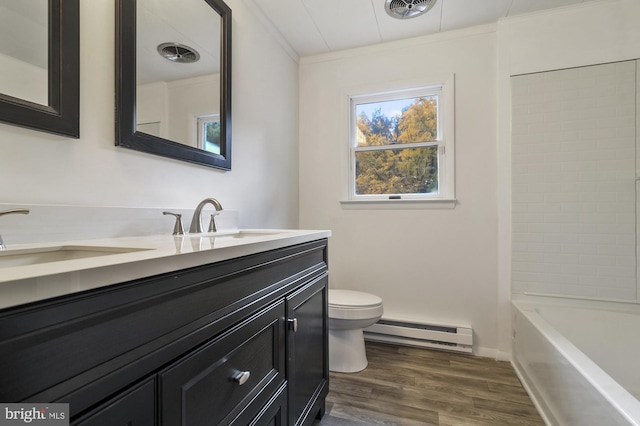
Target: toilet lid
352 299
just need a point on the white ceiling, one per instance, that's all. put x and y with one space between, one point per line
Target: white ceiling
309 26
318 26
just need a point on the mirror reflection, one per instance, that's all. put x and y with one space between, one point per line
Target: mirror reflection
178 72
24 58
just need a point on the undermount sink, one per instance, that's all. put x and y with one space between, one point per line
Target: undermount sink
251 234
25 257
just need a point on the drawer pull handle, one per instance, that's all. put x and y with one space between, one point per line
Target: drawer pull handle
293 324
241 377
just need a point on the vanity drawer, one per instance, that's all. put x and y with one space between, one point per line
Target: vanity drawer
135 407
207 386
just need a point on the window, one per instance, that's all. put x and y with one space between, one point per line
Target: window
402 145
209 132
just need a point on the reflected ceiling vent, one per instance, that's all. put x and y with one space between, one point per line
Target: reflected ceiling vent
405 9
176 52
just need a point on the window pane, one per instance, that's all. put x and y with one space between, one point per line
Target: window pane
397 171
399 121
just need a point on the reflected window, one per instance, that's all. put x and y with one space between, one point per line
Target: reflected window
209 133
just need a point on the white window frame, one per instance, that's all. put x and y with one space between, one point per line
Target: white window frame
445 141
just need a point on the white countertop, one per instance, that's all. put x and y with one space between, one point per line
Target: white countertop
155 254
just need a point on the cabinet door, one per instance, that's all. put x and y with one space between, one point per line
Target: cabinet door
307 351
275 412
134 408
232 377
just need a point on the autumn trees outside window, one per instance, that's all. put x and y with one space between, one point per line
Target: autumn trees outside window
402 144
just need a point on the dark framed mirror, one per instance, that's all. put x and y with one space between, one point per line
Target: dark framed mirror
40 65
173 79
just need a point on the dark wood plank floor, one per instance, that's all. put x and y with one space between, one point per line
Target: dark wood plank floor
412 386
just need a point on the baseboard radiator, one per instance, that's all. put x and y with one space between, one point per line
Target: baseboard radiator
435 336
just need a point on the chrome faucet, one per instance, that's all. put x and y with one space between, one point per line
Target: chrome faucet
196 222
13 211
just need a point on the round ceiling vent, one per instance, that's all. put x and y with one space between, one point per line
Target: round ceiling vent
176 52
405 9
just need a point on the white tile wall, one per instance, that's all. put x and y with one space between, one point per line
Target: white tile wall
574 188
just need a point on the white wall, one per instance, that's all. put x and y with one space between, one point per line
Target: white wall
38 168
151 109
426 264
186 105
589 34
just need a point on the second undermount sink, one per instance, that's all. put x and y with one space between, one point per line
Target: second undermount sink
253 233
34 256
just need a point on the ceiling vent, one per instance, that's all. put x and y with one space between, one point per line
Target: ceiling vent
176 52
405 9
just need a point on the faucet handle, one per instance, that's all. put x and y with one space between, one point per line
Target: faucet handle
177 228
12 211
212 222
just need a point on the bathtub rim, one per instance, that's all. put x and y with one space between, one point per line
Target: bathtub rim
626 404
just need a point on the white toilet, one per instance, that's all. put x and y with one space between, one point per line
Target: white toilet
350 312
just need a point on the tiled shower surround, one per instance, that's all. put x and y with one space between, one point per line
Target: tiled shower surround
574 186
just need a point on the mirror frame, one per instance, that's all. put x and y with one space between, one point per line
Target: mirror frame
62 115
126 134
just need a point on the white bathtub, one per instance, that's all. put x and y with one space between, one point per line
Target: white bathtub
579 360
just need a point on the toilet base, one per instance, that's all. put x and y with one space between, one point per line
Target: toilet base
346 351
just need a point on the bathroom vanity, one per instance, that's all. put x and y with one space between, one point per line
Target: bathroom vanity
228 334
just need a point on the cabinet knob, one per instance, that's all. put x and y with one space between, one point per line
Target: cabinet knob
241 377
293 324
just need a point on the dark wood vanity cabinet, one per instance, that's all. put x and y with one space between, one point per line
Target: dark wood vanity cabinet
238 342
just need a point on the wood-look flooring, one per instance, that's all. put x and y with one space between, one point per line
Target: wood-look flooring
413 386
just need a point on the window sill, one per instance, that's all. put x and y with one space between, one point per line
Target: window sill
440 203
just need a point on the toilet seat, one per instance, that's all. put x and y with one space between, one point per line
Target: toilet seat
352 299
349 304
